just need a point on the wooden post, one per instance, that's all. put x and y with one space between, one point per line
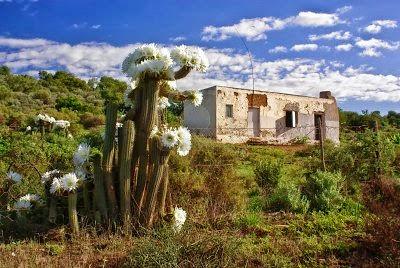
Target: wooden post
321 143
377 171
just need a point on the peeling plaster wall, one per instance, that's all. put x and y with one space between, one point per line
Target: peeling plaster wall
272 115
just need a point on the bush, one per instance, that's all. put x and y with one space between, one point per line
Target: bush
268 173
322 189
287 196
89 120
71 103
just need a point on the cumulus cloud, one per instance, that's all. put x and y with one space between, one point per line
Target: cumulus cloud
278 49
373 46
312 19
297 76
254 29
304 47
338 35
344 47
377 26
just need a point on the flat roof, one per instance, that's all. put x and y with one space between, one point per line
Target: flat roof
265 91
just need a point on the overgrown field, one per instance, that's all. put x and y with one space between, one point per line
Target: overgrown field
247 206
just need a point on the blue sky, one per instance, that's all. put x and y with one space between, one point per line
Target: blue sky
349 47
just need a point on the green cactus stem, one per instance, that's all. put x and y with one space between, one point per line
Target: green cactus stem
147 118
72 213
125 158
99 194
160 159
86 197
53 209
108 156
162 192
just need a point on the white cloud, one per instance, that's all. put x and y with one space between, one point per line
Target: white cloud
338 35
344 9
96 26
255 29
251 29
177 39
303 47
297 76
20 43
278 49
377 26
344 47
312 19
373 46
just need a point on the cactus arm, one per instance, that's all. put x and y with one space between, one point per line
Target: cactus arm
162 192
53 209
182 72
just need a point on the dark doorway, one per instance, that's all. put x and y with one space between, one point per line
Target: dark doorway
319 124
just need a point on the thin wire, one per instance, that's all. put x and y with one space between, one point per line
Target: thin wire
251 63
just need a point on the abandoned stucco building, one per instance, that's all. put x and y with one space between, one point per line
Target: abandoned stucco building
239 115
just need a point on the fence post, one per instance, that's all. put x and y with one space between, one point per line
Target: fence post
377 170
321 143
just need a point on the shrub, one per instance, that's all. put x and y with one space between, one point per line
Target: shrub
89 120
71 103
287 196
268 173
322 189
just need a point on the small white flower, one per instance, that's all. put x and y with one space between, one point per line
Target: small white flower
70 136
197 98
14 176
49 174
55 186
154 131
118 125
184 135
82 154
25 202
45 118
69 182
163 103
179 219
169 138
28 128
61 124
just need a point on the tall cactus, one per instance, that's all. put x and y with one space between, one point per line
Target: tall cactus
125 155
108 156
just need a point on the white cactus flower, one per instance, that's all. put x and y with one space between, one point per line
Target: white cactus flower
48 175
193 57
197 98
169 138
26 201
14 176
179 219
55 186
163 103
82 154
69 182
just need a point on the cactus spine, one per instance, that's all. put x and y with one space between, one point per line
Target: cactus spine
99 194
